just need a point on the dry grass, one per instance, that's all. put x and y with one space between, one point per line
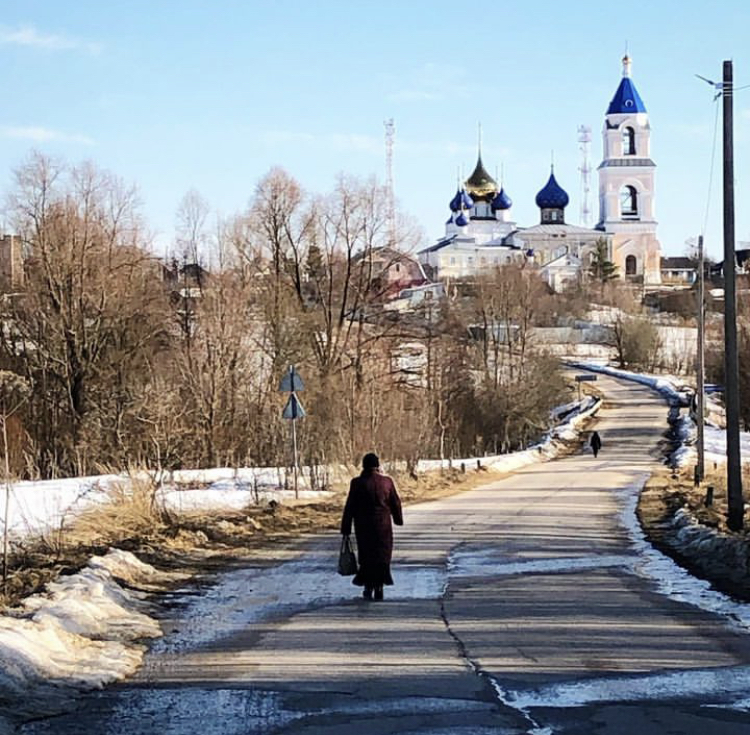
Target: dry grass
198 542
130 511
667 491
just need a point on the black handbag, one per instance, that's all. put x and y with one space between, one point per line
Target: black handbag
347 559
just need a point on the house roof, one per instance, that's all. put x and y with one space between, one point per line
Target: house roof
558 229
677 263
438 245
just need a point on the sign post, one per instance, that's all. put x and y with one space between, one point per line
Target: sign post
585 378
291 383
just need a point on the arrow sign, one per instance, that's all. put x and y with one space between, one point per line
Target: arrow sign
292 381
293 409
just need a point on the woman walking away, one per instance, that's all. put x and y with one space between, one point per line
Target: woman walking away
596 443
371 503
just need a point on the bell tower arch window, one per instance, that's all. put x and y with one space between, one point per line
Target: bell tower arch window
628 141
629 202
631 266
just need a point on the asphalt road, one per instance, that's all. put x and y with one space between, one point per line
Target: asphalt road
521 607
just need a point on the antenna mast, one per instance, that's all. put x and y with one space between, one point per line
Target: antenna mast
390 132
584 140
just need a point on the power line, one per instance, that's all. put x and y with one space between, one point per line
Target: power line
711 169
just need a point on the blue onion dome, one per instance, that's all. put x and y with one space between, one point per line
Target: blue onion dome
502 201
455 203
461 220
461 201
480 185
449 221
552 196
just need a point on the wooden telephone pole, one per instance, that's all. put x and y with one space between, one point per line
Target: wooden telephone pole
735 502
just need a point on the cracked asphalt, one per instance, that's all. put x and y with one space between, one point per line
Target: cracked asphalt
519 607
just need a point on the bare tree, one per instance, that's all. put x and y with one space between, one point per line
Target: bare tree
192 233
14 391
93 311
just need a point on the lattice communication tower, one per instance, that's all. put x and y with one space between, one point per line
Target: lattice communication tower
390 133
584 141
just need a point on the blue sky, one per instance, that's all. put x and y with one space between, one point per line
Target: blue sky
209 95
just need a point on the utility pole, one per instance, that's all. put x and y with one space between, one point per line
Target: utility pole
736 506
700 390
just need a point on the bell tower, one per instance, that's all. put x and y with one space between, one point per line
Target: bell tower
626 184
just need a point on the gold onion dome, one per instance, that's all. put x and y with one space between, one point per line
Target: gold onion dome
480 185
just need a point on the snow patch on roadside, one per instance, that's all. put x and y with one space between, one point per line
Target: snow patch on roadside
43 506
80 634
671 579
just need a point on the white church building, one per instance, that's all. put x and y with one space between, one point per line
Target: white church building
481 234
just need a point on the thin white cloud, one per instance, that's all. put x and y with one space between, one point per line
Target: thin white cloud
335 141
39 134
274 137
31 37
360 143
416 95
433 82
356 142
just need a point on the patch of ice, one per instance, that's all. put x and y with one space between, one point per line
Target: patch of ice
300 584
464 562
719 684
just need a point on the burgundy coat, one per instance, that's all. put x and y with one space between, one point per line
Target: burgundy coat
371 503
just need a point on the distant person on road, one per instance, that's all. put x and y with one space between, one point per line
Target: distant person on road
371 503
596 443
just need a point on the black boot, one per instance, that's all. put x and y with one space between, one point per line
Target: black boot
379 592
367 593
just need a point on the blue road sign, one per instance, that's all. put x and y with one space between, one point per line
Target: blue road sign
293 409
292 381
585 378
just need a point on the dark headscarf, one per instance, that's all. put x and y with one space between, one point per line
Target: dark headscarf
370 462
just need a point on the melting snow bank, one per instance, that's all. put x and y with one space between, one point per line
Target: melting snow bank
675 396
551 446
82 633
673 580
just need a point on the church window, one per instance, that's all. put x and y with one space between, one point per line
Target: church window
629 202
453 261
630 265
628 142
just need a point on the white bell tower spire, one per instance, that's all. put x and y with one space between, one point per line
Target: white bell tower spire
626 183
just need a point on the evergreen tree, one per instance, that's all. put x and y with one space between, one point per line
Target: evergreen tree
602 269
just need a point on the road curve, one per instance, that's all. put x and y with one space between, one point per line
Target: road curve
519 607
